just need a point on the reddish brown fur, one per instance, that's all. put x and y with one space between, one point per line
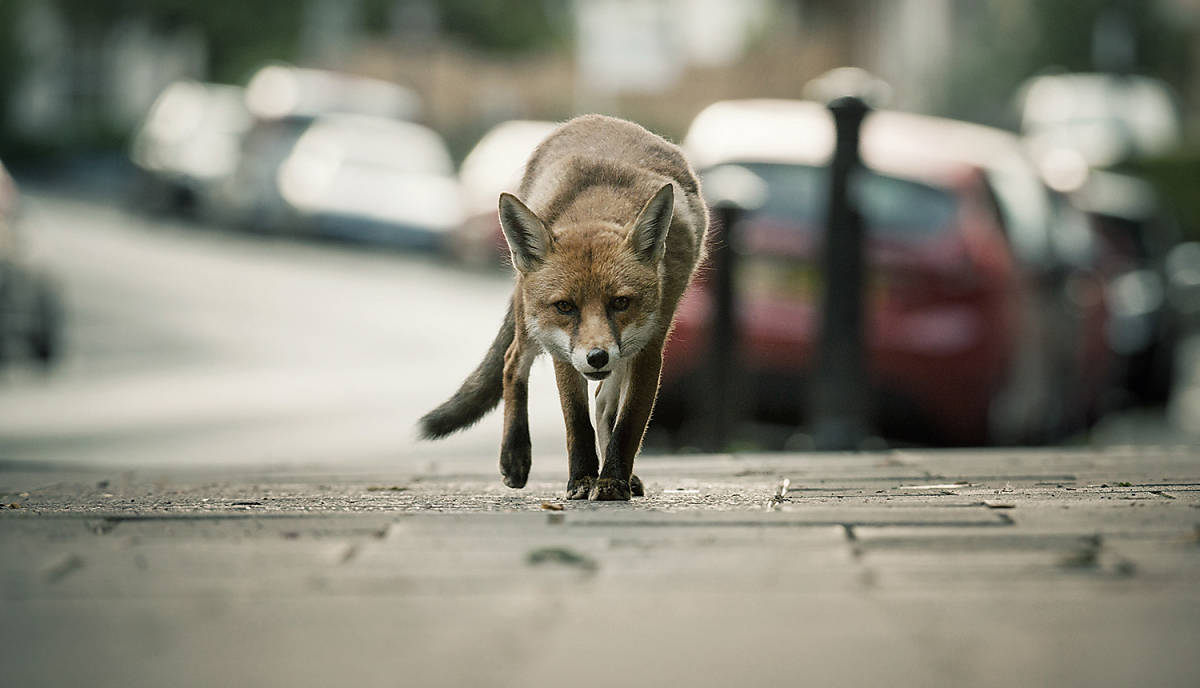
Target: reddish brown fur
596 197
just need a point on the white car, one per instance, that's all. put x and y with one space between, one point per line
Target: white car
372 179
189 142
495 164
282 91
283 102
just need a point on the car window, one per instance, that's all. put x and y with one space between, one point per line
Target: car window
395 147
901 209
891 207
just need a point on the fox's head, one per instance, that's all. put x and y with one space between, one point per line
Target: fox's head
591 292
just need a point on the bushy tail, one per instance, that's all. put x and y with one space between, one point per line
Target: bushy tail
479 393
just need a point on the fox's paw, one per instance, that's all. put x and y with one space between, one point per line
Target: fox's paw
514 465
580 488
636 488
610 490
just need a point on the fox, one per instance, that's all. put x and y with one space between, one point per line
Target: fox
605 233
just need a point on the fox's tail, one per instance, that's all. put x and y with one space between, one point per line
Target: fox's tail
479 393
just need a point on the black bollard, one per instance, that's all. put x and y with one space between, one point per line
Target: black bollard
733 192
722 364
840 381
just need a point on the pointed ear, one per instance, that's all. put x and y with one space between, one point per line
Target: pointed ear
527 236
648 238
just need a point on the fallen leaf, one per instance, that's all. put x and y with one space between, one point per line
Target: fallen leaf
1083 559
560 555
550 506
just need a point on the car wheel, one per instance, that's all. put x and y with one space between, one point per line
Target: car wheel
45 341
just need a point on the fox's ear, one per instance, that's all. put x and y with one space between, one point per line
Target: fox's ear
527 236
648 238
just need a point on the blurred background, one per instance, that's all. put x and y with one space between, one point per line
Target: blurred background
265 232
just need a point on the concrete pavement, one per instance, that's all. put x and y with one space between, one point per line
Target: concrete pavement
923 568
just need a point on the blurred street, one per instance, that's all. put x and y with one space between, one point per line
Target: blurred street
185 344
1029 232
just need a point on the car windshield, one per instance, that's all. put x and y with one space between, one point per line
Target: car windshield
892 208
384 145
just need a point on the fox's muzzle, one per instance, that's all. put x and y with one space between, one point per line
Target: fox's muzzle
595 363
598 359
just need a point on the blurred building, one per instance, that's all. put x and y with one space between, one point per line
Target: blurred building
110 75
91 72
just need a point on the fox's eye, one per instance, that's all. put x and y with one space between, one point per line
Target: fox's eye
565 307
620 303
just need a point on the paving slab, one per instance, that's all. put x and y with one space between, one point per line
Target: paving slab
923 568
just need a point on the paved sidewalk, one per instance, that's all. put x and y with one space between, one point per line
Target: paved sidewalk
982 568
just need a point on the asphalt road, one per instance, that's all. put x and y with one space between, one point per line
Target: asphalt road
186 344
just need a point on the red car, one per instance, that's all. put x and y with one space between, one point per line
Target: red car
959 348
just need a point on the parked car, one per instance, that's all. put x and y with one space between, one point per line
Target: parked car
371 179
283 102
281 91
1138 234
30 310
188 143
495 164
1105 118
1081 128
960 234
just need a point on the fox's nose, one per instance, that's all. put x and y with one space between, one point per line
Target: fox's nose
597 358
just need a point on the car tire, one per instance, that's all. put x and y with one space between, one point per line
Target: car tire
45 337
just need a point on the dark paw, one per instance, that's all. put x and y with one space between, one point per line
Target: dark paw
610 490
514 466
580 488
636 488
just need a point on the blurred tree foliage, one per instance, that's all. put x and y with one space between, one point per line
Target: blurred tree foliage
1009 41
239 37
494 26
242 35
1176 177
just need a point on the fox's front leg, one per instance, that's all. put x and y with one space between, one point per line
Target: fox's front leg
582 462
608 402
630 427
515 452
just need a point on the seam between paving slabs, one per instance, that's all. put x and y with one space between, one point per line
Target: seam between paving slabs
999 520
